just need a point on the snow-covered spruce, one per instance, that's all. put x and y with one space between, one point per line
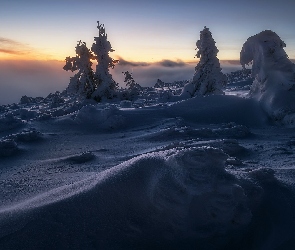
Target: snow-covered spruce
106 86
87 83
208 78
25 100
133 88
274 83
83 82
159 84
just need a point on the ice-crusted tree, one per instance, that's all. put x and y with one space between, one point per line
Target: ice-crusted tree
97 85
159 84
273 72
208 78
132 87
83 82
106 86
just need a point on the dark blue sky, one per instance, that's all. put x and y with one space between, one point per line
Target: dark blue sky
140 30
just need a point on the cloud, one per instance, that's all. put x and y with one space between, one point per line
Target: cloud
123 62
12 47
230 62
171 64
12 52
31 78
166 70
164 63
147 75
39 78
8 41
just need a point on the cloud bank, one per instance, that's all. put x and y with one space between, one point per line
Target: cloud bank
39 78
31 78
12 47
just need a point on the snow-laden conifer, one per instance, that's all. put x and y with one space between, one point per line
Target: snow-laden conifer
208 78
133 88
83 82
106 86
159 84
99 84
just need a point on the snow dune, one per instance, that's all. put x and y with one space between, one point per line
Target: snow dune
176 198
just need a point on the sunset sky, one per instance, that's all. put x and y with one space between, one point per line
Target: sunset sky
36 36
139 30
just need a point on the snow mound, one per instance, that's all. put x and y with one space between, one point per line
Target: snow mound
198 181
9 121
28 135
274 84
26 114
216 109
107 118
8 148
179 198
125 104
81 158
171 197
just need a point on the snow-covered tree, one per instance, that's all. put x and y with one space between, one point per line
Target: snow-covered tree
208 78
83 82
274 73
132 87
106 86
86 83
159 84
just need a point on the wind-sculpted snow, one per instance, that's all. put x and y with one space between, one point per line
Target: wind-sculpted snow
173 199
81 158
274 84
229 130
170 196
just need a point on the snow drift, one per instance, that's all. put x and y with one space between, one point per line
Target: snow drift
173 199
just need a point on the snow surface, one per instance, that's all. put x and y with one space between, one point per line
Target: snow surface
213 172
